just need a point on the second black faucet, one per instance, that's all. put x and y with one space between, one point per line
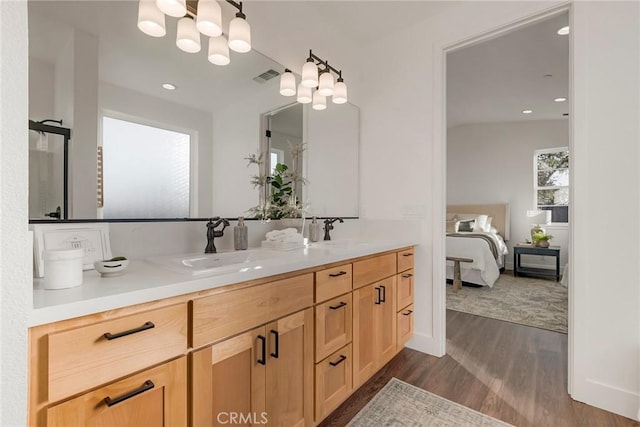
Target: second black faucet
212 233
328 226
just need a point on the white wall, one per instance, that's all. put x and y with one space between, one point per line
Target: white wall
15 251
41 90
493 163
126 104
606 294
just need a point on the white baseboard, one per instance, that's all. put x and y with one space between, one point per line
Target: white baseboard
609 398
425 344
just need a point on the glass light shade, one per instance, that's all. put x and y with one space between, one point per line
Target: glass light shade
319 101
339 93
151 19
309 74
287 84
304 94
209 19
175 8
239 35
218 51
326 84
188 37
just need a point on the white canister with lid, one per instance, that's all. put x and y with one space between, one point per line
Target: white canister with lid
62 268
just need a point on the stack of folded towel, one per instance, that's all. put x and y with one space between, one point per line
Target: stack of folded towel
286 239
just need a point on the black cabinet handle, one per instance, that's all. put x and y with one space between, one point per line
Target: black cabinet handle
342 273
277 339
147 325
148 385
335 307
384 293
406 276
378 295
408 254
339 361
407 313
263 355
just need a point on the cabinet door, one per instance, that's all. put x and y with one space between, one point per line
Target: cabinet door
290 370
385 322
333 381
155 397
333 325
405 326
405 290
228 380
364 302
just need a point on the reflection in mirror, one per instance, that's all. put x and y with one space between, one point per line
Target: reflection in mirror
83 70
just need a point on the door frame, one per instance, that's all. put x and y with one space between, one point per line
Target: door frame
439 171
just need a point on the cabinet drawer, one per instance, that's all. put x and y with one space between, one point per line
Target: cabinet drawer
156 397
405 326
223 315
333 325
405 259
333 381
372 269
85 357
405 290
333 282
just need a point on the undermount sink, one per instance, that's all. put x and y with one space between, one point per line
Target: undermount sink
210 264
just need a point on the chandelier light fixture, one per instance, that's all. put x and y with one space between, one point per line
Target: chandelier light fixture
316 74
203 18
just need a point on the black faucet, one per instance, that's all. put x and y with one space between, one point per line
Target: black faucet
212 233
328 226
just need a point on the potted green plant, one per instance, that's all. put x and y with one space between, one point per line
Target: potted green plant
541 239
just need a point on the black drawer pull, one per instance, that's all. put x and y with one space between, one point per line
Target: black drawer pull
377 295
342 273
335 307
406 276
407 313
277 352
147 325
384 293
148 385
339 361
408 254
263 355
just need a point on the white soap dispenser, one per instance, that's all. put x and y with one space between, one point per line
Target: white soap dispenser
240 235
314 230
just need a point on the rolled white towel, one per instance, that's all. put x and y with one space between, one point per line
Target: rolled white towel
279 235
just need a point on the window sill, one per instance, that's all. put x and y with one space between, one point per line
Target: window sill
556 226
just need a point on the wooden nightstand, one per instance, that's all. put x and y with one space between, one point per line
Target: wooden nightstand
521 249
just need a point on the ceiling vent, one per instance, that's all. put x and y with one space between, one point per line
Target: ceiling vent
266 76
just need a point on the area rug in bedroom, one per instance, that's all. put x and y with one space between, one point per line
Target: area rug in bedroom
401 404
540 303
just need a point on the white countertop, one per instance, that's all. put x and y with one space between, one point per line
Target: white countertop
144 281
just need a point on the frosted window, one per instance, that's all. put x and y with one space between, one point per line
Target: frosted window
146 171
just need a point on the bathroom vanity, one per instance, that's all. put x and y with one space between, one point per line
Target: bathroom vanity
281 341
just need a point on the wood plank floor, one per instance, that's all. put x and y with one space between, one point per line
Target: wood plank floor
512 372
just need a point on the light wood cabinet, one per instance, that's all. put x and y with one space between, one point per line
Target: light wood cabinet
405 289
374 328
334 381
405 259
334 281
333 321
154 398
405 326
374 268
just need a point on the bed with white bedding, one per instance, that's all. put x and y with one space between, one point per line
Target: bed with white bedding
478 232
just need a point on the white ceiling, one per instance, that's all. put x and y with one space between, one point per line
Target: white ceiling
495 80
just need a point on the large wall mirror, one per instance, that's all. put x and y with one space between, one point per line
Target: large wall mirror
139 150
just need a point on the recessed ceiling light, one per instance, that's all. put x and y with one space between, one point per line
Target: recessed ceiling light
561 99
527 111
168 86
564 31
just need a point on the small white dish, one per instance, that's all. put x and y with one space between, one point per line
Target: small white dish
110 268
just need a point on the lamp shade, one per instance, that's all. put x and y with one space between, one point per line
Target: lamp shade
319 101
326 84
188 37
218 51
175 8
339 92
287 83
304 94
151 19
539 217
239 35
310 74
209 19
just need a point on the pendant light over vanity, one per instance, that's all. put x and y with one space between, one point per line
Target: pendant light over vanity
205 18
313 77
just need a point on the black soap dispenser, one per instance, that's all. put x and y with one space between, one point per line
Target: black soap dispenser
240 235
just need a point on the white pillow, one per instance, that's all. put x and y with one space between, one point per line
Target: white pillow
466 216
487 226
481 221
